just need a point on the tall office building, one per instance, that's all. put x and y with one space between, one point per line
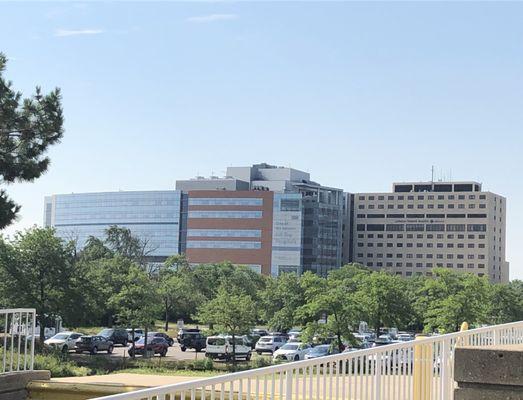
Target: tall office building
421 225
153 216
272 219
315 229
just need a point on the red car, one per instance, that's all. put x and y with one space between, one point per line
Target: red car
156 345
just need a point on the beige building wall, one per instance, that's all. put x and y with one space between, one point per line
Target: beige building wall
410 233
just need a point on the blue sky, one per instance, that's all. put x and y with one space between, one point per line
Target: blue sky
359 94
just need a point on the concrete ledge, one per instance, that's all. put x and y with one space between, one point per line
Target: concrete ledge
13 384
488 392
497 365
489 373
51 390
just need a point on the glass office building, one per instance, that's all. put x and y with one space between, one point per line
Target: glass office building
153 216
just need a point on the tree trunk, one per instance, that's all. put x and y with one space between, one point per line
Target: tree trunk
234 352
340 344
42 328
145 342
166 315
133 355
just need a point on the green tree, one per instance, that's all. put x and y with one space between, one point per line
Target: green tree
136 303
122 242
383 300
28 126
280 300
36 268
451 298
331 300
232 311
178 289
506 302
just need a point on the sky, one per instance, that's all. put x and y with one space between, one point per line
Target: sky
359 94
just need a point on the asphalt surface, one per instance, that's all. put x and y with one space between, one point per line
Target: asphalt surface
174 353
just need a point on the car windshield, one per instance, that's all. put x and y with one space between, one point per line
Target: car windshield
266 340
105 332
324 349
61 336
216 341
290 347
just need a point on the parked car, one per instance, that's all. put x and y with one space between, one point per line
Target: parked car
192 340
221 347
156 345
404 337
254 335
294 351
269 344
64 341
383 340
169 339
138 334
259 332
115 335
94 344
321 351
186 331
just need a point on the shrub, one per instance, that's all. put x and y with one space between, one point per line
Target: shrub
59 366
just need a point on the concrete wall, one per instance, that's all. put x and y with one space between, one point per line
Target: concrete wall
13 385
489 373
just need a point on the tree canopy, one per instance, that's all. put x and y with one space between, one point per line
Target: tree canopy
28 127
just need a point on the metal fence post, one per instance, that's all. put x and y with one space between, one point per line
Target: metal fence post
288 385
422 372
445 378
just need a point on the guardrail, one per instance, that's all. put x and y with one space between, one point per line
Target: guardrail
17 339
418 370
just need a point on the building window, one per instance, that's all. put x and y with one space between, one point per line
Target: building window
222 244
226 214
476 227
225 201
256 233
289 205
415 227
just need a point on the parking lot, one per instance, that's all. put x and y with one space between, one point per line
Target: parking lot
174 353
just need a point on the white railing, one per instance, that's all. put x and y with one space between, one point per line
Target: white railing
17 339
420 369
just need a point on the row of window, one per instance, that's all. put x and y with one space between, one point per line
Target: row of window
422 265
419 206
422 227
255 233
428 273
424 197
429 255
224 201
225 214
209 244
421 216
420 236
427 245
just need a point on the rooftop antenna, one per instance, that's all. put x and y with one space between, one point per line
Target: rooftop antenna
432 174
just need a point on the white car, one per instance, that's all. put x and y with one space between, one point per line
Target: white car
220 347
295 351
138 334
64 341
269 344
404 337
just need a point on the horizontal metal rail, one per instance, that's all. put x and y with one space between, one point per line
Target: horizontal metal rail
420 369
17 339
